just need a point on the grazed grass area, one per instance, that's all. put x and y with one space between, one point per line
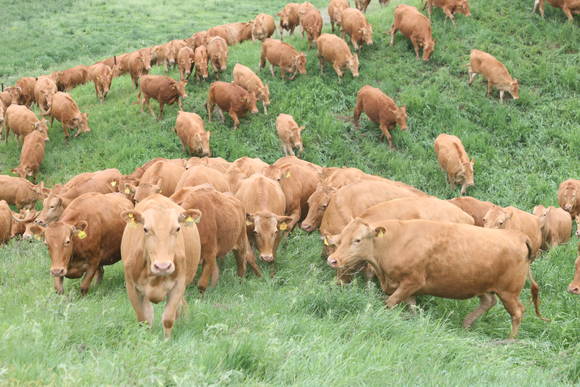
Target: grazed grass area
299 328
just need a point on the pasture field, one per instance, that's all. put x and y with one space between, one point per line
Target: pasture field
299 328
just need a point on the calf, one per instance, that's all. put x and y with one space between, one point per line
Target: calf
10 95
311 22
335 9
139 63
335 50
555 224
202 174
231 98
362 5
232 33
65 109
283 55
190 130
26 85
198 39
380 109
5 222
162 55
574 286
449 7
185 58
217 51
569 7
32 154
102 76
569 198
163 89
44 89
355 24
160 251
416 27
289 134
200 62
454 161
246 78
23 121
494 71
69 79
289 18
476 208
263 27
20 192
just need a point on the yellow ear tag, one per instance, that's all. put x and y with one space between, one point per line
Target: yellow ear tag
127 191
131 218
381 234
288 175
37 237
189 219
283 226
81 235
248 223
113 183
325 242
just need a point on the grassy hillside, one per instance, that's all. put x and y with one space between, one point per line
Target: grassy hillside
299 328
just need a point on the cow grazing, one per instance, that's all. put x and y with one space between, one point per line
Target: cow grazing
102 77
161 177
381 109
494 71
20 192
555 224
163 89
185 58
289 18
335 50
44 89
232 33
139 64
574 286
362 5
416 27
289 134
454 161
263 27
10 95
32 153
217 51
65 109
474 207
512 218
200 62
355 24
569 198
246 78
335 9
202 174
222 229
408 258
69 79
160 251
191 132
26 85
569 7
5 222
22 121
311 23
230 98
162 55
85 238
284 56
449 7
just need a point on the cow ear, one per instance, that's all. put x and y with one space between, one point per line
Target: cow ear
132 217
189 217
249 220
79 229
380 232
283 222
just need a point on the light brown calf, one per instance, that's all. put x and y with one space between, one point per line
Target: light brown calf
246 78
26 85
69 79
555 224
289 134
311 22
44 89
5 222
284 56
22 121
185 58
355 24
569 197
230 98
102 77
335 8
164 89
494 71
474 207
200 62
32 154
65 109
335 50
574 286
217 51
289 18
191 132
416 27
263 27
454 161
449 7
569 7
201 174
20 192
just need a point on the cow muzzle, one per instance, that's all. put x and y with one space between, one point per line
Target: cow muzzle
162 268
306 227
58 272
332 262
267 258
568 207
574 289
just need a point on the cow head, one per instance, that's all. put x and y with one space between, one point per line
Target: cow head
464 8
266 229
250 100
264 94
514 89
201 61
15 93
161 229
466 175
428 48
145 55
352 64
284 19
200 143
317 204
42 127
22 171
180 88
567 196
60 238
40 192
574 286
128 189
81 121
401 117
52 209
542 213
497 217
145 190
300 63
355 244
367 34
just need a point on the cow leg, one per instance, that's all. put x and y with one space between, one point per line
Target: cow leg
235 118
209 107
148 102
332 26
247 252
568 13
180 103
515 308
338 71
472 75
501 93
449 15
357 113
174 301
138 303
416 48
393 32
58 281
99 275
354 43
66 133
161 106
87 279
51 121
489 87
209 264
272 70
388 135
405 290
486 302
262 62
265 107
321 64
221 113
240 263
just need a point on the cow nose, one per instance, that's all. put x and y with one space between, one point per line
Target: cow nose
306 227
57 272
331 261
267 258
574 289
568 207
162 267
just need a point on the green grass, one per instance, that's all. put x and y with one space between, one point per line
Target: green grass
300 328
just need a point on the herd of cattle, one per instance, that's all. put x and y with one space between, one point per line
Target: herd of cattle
169 215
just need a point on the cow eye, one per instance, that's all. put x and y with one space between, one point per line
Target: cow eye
145 230
357 241
177 229
67 242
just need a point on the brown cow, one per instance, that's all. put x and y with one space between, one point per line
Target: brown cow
289 18
265 204
355 24
198 39
70 78
574 286
416 27
311 22
162 55
23 121
335 50
86 238
263 27
230 98
201 174
5 222
10 95
32 154
289 134
200 62
362 5
569 197
163 89
283 55
476 208
335 9
246 78
449 7
160 251
232 33
512 218
217 51
415 257
65 109
381 109
139 64
20 192
161 177
185 58
102 76
569 7
494 71
555 224
26 85
176 45
454 161
44 89
222 228
243 168
191 132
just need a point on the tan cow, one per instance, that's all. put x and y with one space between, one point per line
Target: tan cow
176 45
355 24
162 55
200 62
447 260
474 207
230 98
574 286
201 174
139 64
289 18
263 27
5 222
185 58
246 78
44 89
381 109
289 134
569 197
161 177
494 71
569 7
217 163
10 95
160 251
449 7
23 121
85 238
555 224
222 229
163 89
512 218
335 50
416 27
335 9
311 22
32 154
191 132
362 5
243 168
454 161
20 192
26 85
198 39
70 78
232 33
284 56
65 109
102 77
217 52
